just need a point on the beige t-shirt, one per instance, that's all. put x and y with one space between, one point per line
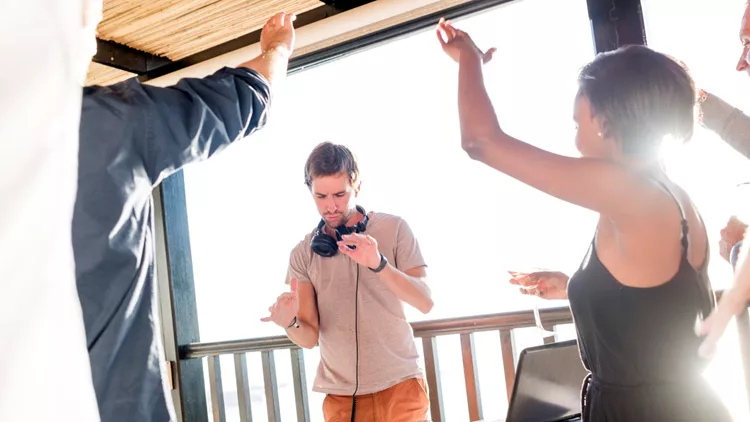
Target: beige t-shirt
387 353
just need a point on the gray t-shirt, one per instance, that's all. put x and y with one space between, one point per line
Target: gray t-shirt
387 352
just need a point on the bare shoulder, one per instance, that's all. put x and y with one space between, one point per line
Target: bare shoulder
697 234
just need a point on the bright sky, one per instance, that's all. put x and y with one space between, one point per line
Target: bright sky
395 106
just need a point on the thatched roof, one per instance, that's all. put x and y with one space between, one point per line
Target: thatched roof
178 28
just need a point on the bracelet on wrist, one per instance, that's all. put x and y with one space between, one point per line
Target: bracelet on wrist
293 324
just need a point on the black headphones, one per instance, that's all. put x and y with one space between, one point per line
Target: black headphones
326 245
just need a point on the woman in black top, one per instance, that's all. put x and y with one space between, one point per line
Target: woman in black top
642 287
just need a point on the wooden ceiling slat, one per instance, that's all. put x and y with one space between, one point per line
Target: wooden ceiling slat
179 28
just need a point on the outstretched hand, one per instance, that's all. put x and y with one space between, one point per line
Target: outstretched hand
456 42
278 32
365 250
544 284
285 308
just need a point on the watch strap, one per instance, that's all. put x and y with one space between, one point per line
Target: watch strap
383 263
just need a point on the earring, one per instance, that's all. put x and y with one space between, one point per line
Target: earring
600 134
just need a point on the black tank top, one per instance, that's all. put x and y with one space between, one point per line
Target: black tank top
640 344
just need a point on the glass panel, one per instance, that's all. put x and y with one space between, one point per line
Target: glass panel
705 36
395 106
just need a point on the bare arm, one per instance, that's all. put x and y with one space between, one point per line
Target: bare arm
410 286
272 64
594 184
276 44
305 333
732 125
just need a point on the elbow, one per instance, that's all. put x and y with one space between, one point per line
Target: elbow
426 306
473 146
308 343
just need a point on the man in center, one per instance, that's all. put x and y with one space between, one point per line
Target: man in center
349 278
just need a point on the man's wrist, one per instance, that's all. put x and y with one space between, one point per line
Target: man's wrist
381 264
279 49
293 324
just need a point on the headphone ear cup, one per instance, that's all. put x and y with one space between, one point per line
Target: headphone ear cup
324 245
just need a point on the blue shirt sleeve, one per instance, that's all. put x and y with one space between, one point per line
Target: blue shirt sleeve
188 122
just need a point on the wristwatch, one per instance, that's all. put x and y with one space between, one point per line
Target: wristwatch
383 263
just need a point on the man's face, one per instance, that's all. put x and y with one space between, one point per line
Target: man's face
743 65
334 198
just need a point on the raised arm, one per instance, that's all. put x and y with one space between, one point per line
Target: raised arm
598 185
163 129
731 124
276 44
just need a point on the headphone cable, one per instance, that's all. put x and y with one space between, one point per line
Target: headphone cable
356 345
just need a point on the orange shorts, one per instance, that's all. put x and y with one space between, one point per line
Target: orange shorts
407 401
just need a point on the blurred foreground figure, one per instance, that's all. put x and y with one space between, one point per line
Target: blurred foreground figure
46 47
736 131
133 136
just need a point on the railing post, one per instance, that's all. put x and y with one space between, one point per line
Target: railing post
471 377
271 386
743 332
300 385
217 389
509 367
432 369
243 387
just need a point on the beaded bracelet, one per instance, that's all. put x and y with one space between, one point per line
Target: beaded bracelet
702 96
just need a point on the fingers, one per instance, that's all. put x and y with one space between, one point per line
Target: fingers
344 249
278 19
357 239
445 28
288 19
488 55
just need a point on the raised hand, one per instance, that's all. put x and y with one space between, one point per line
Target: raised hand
544 284
365 250
732 233
278 32
456 42
285 309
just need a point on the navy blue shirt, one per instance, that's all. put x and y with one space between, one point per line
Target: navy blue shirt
132 137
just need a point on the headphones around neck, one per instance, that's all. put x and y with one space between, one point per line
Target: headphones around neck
326 245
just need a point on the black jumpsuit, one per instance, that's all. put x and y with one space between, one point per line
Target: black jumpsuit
640 344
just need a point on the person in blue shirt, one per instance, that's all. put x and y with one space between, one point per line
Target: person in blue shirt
132 136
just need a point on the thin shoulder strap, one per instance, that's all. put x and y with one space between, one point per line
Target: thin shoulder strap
684 239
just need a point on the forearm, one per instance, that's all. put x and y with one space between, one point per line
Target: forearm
412 290
729 123
303 334
272 64
477 117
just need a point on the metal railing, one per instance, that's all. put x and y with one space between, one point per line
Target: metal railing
427 331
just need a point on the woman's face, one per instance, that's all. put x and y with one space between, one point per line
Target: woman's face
590 139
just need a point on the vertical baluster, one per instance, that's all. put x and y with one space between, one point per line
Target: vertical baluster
508 355
271 386
743 332
217 389
243 387
471 377
432 369
553 338
300 385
